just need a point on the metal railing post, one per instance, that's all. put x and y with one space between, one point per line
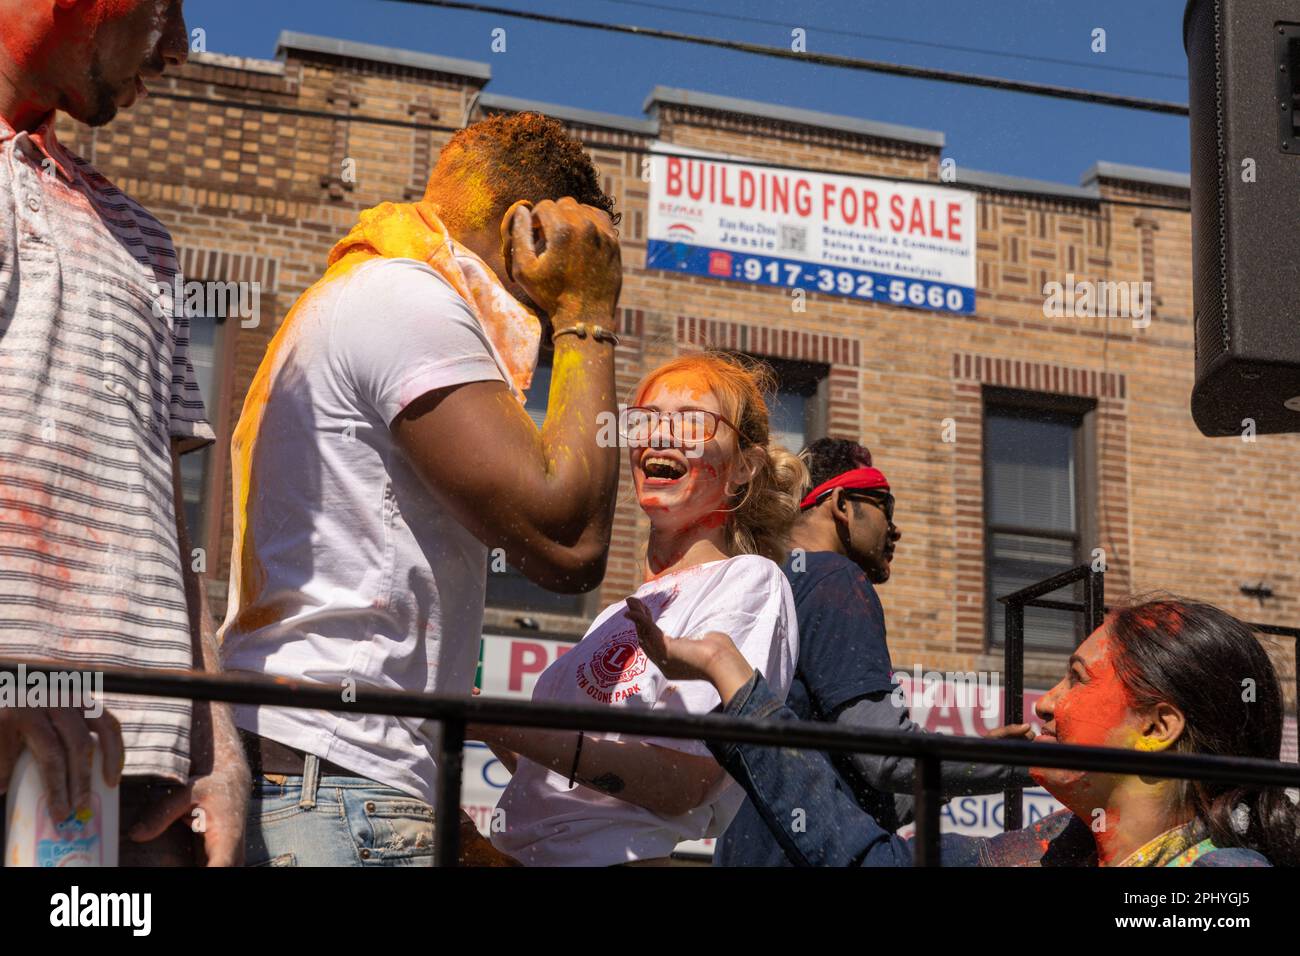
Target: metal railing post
1013 701
446 815
1095 599
927 797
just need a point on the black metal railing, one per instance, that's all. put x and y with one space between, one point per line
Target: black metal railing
928 750
1093 607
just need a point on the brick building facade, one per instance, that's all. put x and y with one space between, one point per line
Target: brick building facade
258 166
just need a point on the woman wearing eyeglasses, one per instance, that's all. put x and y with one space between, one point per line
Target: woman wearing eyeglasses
721 499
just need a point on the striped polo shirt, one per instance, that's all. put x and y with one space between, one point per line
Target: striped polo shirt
95 384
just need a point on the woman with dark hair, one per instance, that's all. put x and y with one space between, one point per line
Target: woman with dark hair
1165 674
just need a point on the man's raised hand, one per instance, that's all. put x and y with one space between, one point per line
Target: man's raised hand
566 256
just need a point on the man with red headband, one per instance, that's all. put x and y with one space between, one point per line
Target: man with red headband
99 401
841 547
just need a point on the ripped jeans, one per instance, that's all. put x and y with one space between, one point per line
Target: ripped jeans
316 820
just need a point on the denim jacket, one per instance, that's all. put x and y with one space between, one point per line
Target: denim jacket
814 817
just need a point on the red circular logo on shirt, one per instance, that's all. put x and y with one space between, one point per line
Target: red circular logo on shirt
618 661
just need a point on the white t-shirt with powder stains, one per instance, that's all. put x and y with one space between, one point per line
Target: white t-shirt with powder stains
547 823
363 579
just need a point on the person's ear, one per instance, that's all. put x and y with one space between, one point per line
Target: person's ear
1162 725
839 503
751 461
506 238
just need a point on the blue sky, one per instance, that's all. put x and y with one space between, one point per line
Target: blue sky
989 130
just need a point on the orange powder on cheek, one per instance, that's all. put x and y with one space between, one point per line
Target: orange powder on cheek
1091 713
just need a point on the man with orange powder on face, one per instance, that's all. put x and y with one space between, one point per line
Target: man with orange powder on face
384 448
97 402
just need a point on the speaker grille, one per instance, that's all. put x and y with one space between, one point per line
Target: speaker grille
1209 192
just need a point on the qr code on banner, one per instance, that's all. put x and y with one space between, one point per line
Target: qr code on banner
794 238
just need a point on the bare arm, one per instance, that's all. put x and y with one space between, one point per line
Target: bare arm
509 759
215 800
663 781
547 499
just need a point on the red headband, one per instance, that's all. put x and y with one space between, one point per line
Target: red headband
859 479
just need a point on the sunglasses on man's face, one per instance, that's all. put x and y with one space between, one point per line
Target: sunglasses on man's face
881 499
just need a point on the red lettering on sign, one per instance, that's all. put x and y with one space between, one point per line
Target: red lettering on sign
896 213
869 202
525 658
674 176
828 199
803 197
954 221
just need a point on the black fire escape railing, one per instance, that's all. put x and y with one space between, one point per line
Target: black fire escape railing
1093 607
928 750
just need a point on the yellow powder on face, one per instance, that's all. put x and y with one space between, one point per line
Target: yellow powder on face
465 192
477 204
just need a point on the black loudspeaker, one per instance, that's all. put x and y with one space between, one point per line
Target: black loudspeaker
1243 66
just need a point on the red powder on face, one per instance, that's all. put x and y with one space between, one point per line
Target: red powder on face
1091 713
23 36
30 36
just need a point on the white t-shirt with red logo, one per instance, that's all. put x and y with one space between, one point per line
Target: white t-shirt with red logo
547 823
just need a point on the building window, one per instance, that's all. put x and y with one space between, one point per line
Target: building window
1036 507
509 588
797 412
199 479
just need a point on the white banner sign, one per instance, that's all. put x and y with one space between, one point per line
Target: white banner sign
871 239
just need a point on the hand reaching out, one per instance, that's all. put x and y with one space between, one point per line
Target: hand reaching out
710 656
1012 732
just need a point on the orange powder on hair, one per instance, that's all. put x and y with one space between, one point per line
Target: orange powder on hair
695 377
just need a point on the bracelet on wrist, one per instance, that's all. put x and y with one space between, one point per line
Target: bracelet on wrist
582 330
577 755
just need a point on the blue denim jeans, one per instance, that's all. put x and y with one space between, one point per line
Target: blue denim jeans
315 820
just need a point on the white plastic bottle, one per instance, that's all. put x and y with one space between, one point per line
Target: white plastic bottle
86 838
